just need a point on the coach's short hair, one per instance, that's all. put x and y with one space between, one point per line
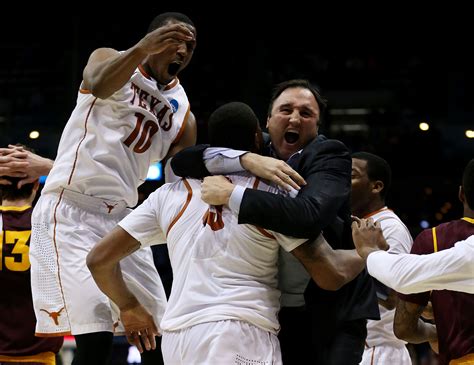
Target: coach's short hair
233 125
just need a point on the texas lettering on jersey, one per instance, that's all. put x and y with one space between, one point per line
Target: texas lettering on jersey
148 102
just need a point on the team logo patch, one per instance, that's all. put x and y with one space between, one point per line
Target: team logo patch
174 105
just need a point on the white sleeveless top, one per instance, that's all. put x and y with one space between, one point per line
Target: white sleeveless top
108 144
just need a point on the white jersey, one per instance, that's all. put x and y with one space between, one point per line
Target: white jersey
107 145
221 270
398 237
450 269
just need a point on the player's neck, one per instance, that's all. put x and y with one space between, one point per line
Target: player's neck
373 208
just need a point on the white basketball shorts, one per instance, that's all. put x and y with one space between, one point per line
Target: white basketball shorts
66 300
221 342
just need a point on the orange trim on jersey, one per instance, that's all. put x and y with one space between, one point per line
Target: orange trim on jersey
265 233
188 199
183 126
465 360
255 183
435 240
85 91
55 334
372 357
57 252
82 140
377 211
172 84
144 73
260 229
16 209
467 219
46 358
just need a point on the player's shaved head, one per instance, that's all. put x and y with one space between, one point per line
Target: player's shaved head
233 125
162 19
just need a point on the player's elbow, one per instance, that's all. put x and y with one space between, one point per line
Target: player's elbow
402 332
93 262
100 92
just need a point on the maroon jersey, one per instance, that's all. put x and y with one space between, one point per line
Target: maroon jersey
453 311
17 318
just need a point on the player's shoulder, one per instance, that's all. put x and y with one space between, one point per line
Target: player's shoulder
322 144
424 242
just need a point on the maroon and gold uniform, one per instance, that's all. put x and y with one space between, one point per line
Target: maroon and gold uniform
453 311
17 318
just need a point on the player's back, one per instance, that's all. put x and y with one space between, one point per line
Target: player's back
222 270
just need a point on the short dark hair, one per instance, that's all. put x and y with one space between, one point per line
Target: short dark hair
162 19
233 125
377 169
11 192
468 183
298 83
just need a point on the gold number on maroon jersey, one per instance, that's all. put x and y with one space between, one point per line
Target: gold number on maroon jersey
19 259
146 133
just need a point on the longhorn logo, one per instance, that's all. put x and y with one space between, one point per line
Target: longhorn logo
110 207
54 315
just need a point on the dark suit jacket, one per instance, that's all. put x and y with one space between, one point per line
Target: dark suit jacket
322 205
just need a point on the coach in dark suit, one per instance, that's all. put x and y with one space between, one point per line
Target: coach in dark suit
338 318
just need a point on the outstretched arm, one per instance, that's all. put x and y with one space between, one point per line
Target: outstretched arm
326 167
330 269
103 262
408 273
202 161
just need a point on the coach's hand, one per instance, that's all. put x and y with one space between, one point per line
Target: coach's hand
216 190
272 169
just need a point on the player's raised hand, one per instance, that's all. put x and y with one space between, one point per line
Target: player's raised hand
171 35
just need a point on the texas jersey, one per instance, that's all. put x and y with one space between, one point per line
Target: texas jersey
108 144
399 238
221 269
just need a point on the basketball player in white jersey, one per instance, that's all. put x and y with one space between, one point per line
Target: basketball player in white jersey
224 300
371 178
131 110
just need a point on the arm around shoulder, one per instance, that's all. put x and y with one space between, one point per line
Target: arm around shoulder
326 167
